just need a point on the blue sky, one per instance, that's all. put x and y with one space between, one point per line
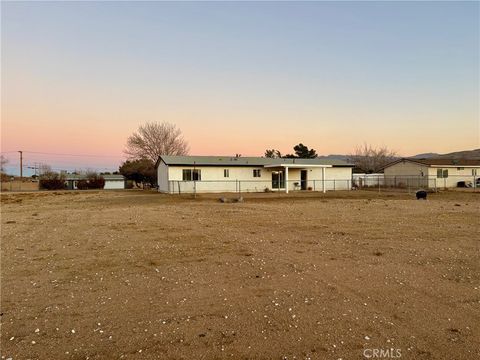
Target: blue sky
241 77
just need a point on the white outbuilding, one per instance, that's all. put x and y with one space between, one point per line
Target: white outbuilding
113 181
186 174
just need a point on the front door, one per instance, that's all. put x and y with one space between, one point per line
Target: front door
278 180
303 179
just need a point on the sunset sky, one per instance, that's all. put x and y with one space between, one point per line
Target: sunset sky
78 78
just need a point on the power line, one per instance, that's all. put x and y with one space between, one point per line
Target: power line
58 154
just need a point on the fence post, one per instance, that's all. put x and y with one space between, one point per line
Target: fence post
333 184
314 184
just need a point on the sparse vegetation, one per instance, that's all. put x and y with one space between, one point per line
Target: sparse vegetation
3 162
141 171
320 267
370 159
50 180
93 181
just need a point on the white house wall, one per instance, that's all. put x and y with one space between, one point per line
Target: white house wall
114 184
241 179
162 177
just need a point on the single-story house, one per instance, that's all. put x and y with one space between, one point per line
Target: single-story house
184 174
111 181
433 172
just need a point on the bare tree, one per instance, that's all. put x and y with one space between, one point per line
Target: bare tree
154 139
3 162
371 159
44 170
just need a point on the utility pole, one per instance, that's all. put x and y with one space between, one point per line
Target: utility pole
35 167
21 165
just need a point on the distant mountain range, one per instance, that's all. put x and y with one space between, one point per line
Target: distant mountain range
466 154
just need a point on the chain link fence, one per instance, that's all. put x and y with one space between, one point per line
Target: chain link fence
377 182
247 186
413 183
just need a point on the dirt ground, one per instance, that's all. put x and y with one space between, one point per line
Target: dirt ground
140 275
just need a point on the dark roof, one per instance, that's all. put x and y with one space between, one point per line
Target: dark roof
450 162
439 162
245 161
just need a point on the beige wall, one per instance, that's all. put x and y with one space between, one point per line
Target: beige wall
406 168
454 176
241 178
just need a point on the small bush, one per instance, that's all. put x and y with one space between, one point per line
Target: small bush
82 184
52 181
96 182
93 181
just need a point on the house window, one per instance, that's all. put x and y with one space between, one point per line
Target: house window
460 168
196 175
189 175
256 173
474 172
442 173
226 173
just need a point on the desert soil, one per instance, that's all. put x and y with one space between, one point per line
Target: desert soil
140 275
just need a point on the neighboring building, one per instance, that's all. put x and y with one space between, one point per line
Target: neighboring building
178 174
432 173
368 180
111 181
